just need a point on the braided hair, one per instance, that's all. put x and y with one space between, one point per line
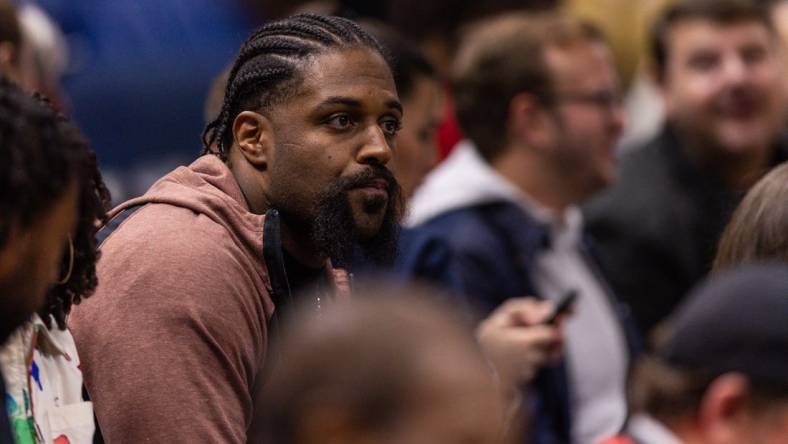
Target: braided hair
43 153
268 65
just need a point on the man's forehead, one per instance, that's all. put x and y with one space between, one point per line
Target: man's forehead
584 62
357 73
698 30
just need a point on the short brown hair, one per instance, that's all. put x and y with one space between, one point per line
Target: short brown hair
758 229
723 12
666 392
502 57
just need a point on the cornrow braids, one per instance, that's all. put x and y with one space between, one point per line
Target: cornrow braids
42 154
267 68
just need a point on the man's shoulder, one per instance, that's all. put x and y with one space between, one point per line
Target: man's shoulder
161 230
480 228
173 251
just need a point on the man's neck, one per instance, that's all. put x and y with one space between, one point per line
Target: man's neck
537 182
299 245
739 171
295 240
742 172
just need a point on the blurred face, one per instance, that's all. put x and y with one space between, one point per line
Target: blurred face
588 115
416 152
30 261
332 144
722 86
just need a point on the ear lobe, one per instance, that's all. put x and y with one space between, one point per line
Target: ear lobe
253 134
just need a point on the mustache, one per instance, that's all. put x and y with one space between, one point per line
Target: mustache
368 175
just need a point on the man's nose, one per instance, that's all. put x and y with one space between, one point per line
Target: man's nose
735 69
376 148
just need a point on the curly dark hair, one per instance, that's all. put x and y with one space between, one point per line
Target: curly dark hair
43 153
268 65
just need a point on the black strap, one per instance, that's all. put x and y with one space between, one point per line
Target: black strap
114 223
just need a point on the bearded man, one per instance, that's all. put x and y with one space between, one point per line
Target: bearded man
292 179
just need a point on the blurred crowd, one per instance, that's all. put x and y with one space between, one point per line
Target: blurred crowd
394 222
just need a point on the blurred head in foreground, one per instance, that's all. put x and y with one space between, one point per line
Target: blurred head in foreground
758 229
390 369
720 374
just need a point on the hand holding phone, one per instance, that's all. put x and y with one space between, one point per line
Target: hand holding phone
562 306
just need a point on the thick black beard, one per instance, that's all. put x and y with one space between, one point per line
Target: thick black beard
334 230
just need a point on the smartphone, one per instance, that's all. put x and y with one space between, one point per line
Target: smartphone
563 304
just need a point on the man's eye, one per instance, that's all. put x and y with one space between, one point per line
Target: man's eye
704 62
753 54
340 121
391 126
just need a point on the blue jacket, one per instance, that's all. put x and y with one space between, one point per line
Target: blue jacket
495 243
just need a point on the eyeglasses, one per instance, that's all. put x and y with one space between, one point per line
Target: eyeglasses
70 262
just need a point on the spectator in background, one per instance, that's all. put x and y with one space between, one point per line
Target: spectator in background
538 98
718 68
17 59
393 368
758 230
421 93
32 50
50 196
719 376
50 54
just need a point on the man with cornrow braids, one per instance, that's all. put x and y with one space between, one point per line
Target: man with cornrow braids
195 273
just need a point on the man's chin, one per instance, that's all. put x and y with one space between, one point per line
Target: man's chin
368 225
739 140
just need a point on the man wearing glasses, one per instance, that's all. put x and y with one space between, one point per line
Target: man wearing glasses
537 98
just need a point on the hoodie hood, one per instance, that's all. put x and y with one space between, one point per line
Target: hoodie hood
464 179
207 187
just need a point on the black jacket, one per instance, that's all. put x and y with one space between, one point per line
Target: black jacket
657 228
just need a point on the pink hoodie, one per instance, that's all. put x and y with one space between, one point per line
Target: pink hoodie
174 340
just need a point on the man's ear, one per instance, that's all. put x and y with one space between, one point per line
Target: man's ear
528 121
723 407
254 135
